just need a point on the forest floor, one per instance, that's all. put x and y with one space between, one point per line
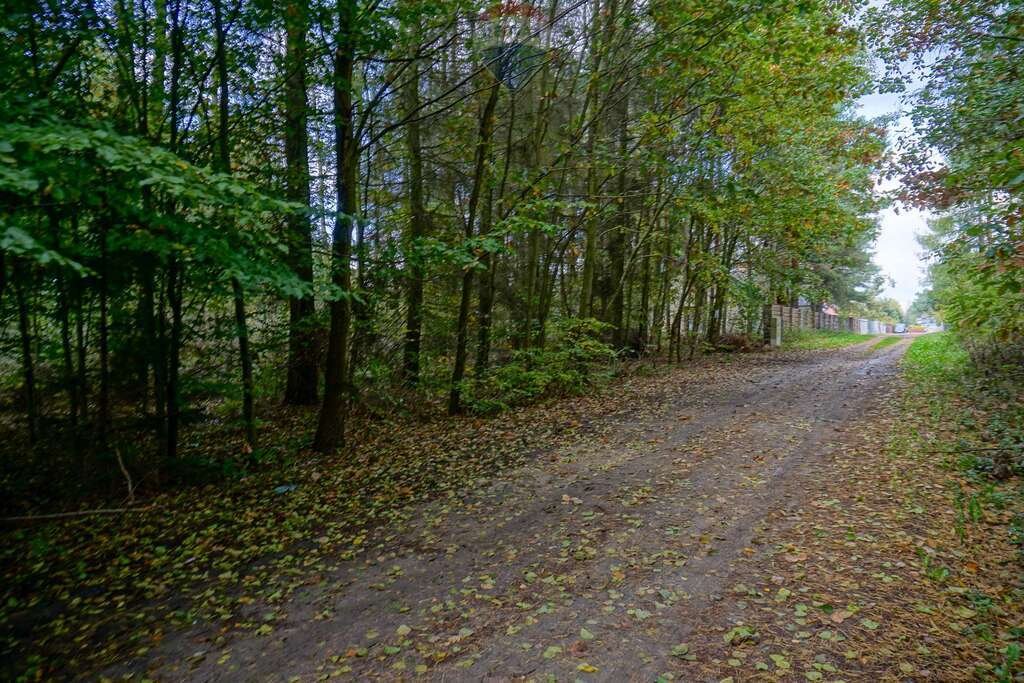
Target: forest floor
744 517
752 523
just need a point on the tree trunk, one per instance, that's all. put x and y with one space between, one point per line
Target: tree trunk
103 416
175 267
330 432
361 303
483 145
27 363
175 277
67 355
617 238
486 303
301 385
418 226
224 166
155 347
643 333
485 310
599 42
82 381
63 312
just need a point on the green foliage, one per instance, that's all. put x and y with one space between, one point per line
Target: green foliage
958 63
575 360
977 289
884 309
749 298
1004 671
107 173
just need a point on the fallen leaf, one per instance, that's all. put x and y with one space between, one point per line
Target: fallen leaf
552 651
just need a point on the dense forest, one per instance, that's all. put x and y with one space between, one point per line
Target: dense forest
214 208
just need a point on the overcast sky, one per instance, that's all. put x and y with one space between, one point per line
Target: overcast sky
897 252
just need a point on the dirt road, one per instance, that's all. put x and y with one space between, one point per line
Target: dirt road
599 560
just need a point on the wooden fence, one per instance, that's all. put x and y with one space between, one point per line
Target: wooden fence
803 318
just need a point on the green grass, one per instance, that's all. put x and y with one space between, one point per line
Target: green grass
820 339
970 406
935 359
886 342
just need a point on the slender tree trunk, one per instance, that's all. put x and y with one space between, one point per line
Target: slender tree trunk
530 312
154 346
486 303
362 302
301 385
591 235
699 300
417 231
175 267
547 294
175 276
617 238
676 329
82 381
139 93
103 416
224 166
486 129
330 433
661 306
67 354
245 356
643 333
492 206
64 321
27 363
599 41
531 256
154 340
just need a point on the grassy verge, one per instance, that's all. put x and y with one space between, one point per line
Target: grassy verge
970 423
885 342
810 340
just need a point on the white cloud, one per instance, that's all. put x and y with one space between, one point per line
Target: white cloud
899 255
897 252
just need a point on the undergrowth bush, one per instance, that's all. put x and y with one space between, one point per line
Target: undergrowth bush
574 360
736 343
